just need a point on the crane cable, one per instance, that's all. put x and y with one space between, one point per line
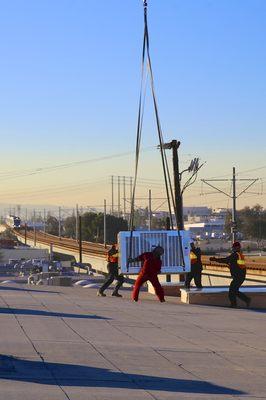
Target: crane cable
169 190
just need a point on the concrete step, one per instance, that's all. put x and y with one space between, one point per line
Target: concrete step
218 296
170 288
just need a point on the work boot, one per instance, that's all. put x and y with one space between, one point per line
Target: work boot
115 294
101 294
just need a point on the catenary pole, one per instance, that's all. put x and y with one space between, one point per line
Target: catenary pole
77 222
234 224
104 224
112 188
59 222
80 238
149 210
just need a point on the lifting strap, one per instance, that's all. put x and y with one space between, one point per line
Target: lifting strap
146 58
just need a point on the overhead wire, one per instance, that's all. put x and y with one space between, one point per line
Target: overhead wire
28 172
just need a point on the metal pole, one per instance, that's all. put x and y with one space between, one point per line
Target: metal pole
104 224
178 195
25 234
77 222
150 210
112 204
80 239
234 226
131 189
34 227
44 221
59 222
51 252
124 194
118 195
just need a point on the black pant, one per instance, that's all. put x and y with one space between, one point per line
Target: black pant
238 279
112 275
195 274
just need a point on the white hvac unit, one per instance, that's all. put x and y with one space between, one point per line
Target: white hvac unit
176 246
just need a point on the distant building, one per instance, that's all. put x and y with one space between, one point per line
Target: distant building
190 212
207 230
205 223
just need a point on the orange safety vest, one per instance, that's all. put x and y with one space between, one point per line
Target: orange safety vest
241 261
193 258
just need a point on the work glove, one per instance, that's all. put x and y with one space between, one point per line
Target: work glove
130 260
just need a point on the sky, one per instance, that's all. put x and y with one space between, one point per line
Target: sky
69 89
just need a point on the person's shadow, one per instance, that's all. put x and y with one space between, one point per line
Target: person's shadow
49 373
26 311
26 289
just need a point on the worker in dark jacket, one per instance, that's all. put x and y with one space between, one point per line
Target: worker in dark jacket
236 262
196 267
113 273
151 267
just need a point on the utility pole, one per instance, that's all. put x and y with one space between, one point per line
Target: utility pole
149 210
112 204
118 195
80 238
25 234
34 227
178 195
44 221
124 194
234 226
234 195
104 224
77 222
59 222
131 189
51 252
178 201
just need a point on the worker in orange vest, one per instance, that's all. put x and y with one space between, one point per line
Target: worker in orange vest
236 262
113 273
196 267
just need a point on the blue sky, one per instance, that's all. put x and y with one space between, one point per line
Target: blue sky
69 85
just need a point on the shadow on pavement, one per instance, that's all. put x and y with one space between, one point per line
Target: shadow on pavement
84 376
25 311
25 289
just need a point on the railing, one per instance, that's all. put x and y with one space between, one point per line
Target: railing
98 249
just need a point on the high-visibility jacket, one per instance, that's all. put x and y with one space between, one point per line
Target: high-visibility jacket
241 261
113 258
193 258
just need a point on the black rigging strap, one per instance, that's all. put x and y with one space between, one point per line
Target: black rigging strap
146 58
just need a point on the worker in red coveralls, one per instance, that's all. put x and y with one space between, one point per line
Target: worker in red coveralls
151 267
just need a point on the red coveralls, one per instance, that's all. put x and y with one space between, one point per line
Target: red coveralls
150 269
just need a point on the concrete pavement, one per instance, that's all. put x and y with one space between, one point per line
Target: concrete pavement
66 343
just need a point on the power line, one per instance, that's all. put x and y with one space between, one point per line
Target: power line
52 168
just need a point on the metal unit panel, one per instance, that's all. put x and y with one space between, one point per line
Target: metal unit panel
174 243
